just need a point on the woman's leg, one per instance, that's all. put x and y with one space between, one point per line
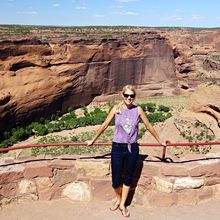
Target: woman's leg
130 163
124 195
118 194
116 166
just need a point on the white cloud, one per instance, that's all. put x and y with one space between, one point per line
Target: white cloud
178 10
27 12
117 6
125 13
196 18
125 1
174 18
82 8
99 16
10 3
56 5
177 18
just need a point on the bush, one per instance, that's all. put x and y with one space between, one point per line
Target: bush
55 116
151 107
158 117
143 106
70 121
52 127
5 143
29 129
40 129
163 108
18 134
73 114
85 110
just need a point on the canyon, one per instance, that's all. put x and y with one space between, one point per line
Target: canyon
40 76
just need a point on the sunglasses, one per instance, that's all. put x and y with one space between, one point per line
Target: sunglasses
127 95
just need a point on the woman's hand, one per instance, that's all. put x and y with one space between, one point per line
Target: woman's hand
90 143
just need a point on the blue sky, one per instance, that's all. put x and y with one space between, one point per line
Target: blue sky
183 13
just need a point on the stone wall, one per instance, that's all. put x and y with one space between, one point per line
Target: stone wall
156 183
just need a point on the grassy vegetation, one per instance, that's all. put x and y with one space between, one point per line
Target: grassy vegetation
47 33
214 82
71 120
195 132
50 33
76 150
215 57
107 136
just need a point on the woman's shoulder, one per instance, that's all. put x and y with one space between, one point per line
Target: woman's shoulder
139 109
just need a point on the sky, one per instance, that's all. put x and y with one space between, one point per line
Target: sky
147 13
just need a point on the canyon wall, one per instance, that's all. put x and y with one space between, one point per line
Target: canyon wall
38 78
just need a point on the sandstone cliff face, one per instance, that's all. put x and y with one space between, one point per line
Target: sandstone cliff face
38 78
197 56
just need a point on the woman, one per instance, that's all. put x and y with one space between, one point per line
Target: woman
125 148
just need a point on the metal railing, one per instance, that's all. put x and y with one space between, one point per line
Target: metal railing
164 150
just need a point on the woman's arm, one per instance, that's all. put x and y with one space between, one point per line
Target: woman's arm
103 126
148 125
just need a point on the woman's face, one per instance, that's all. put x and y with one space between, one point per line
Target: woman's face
128 97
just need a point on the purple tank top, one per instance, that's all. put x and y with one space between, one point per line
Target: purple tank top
126 126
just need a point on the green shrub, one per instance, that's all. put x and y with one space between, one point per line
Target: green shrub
29 129
5 143
215 57
143 106
158 117
70 121
40 129
52 127
66 117
151 107
74 150
6 134
85 110
163 108
55 116
73 114
18 134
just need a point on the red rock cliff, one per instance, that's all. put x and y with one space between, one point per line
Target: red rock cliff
39 78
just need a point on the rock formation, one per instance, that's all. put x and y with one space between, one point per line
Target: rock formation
206 100
39 76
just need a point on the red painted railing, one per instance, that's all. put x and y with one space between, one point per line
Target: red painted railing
168 144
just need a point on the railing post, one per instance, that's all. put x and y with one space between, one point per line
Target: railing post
164 151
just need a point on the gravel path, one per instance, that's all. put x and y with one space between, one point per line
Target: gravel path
66 209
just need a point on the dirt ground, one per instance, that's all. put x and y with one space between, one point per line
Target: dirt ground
66 209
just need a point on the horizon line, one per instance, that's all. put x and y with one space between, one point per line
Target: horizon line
132 26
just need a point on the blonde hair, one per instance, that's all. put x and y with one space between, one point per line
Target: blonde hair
124 89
